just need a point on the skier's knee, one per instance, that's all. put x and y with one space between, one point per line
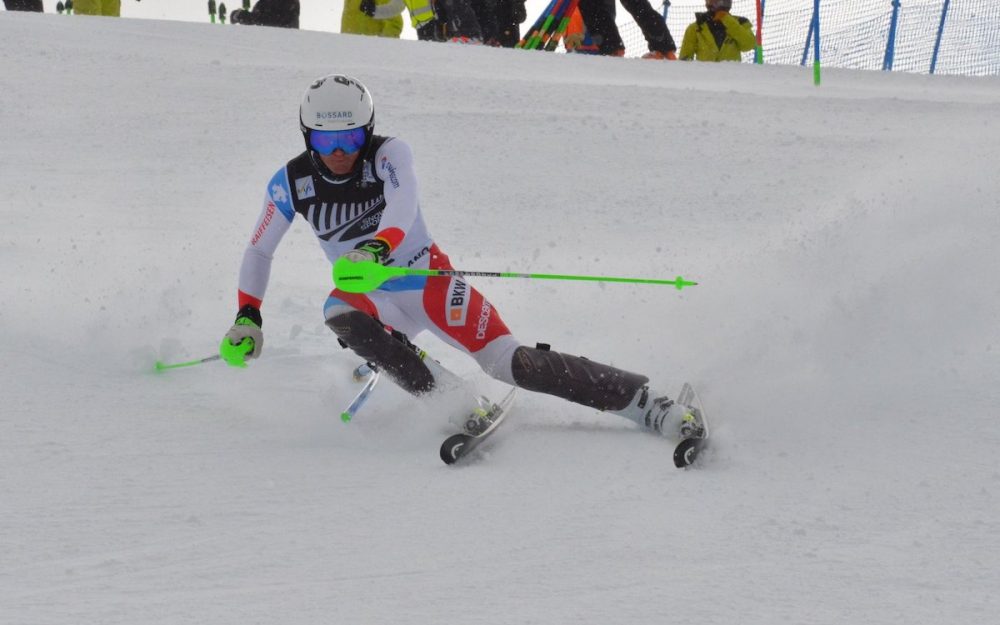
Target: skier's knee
574 378
496 358
390 351
354 327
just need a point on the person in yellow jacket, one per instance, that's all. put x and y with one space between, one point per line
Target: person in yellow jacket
717 35
422 16
354 21
108 8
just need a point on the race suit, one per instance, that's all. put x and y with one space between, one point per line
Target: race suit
380 202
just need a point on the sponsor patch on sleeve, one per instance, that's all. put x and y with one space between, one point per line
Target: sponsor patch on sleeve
305 188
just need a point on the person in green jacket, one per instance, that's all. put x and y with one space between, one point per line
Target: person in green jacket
107 8
717 35
356 21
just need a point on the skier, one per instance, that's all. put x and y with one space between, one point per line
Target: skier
358 192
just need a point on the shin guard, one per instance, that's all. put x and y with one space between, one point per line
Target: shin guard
390 351
574 378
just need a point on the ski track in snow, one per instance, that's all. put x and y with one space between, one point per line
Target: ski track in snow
844 339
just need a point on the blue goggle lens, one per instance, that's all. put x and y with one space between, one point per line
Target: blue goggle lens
326 141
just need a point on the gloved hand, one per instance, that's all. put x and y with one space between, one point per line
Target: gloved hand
368 7
244 340
371 250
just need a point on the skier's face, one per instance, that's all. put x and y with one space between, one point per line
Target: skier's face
339 162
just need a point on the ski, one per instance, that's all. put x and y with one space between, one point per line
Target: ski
458 446
694 433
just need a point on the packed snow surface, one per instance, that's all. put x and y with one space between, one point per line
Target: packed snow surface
845 337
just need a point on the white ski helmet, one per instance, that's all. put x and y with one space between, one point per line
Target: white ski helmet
337 102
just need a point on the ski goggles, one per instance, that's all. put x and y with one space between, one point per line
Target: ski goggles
326 141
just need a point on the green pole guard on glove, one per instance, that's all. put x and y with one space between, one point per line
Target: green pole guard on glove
235 354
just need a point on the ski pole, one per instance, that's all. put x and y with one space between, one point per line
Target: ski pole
160 366
365 276
374 375
528 34
560 30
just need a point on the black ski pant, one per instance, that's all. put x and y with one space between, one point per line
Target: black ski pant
486 15
599 16
23 5
460 19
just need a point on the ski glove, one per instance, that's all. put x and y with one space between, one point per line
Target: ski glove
372 250
244 340
368 7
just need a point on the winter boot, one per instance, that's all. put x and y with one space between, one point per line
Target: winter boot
658 55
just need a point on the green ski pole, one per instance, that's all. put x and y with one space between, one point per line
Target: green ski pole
365 276
160 366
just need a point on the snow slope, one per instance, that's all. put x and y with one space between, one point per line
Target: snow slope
844 336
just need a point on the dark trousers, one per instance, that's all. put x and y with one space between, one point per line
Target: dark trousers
23 5
510 14
460 19
486 15
599 16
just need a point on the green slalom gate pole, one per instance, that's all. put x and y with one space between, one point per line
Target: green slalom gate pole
160 366
365 276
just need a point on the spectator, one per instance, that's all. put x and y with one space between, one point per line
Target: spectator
486 15
458 21
422 16
23 5
510 15
355 20
599 16
717 35
107 8
279 13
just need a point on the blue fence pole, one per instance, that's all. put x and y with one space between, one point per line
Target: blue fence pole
937 42
816 63
809 38
890 46
666 9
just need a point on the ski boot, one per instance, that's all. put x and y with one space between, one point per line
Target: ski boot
662 415
479 425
